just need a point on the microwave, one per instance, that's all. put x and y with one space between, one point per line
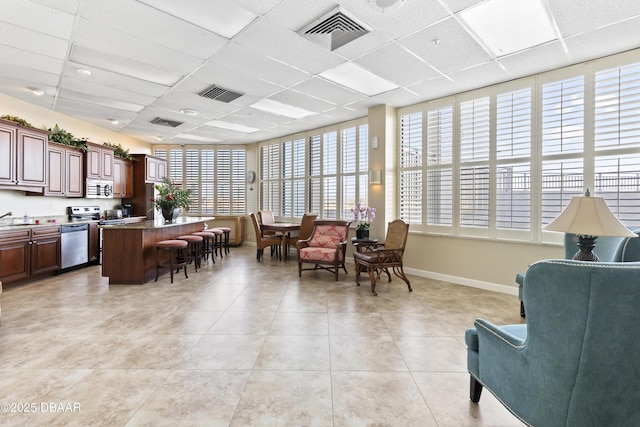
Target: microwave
98 189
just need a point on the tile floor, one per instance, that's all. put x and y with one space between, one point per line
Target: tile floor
243 344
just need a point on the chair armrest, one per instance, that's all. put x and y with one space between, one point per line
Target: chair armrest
512 335
302 243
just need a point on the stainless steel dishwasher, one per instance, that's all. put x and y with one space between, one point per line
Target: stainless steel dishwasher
74 245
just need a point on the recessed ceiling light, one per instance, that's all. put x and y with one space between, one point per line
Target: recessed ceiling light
189 112
36 91
157 138
357 78
83 72
507 26
275 107
385 5
114 121
231 126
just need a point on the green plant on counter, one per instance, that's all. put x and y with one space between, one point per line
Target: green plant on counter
119 151
16 119
62 136
171 196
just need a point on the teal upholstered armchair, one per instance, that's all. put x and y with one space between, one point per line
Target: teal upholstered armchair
577 360
609 249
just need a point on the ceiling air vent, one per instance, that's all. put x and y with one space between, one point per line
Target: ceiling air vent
220 94
166 122
334 29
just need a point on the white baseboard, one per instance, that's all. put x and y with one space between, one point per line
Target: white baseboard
488 286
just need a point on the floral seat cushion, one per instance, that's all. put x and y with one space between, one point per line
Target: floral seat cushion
323 244
319 254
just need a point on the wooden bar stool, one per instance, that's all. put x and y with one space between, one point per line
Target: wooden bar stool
192 252
227 234
208 244
218 240
171 246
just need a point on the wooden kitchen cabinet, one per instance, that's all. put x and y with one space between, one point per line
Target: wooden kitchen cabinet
29 252
23 154
94 242
155 168
122 178
99 163
65 166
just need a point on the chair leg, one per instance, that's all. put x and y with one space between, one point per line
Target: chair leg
357 273
475 390
373 278
399 271
522 314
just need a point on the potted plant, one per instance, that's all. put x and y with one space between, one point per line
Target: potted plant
119 151
15 119
170 199
363 216
62 136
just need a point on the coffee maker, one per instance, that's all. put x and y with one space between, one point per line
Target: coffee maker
127 210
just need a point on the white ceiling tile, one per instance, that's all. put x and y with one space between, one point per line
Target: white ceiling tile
47 21
259 6
97 90
460 5
216 72
29 60
99 37
260 67
37 78
577 16
434 89
98 100
614 38
74 107
291 48
295 15
221 16
411 17
33 41
396 64
329 91
142 21
479 76
68 6
301 100
455 51
532 61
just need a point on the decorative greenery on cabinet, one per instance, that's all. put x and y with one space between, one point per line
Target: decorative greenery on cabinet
62 136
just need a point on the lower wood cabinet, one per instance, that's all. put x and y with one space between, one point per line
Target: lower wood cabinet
94 242
29 252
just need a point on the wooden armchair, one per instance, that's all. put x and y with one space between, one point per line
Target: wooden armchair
263 241
326 246
306 228
377 257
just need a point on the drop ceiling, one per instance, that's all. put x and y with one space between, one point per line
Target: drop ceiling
151 59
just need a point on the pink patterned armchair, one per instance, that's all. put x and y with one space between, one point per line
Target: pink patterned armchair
325 248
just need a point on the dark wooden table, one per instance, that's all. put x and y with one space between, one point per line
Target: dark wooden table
284 228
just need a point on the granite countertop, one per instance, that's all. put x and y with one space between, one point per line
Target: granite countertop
15 223
157 223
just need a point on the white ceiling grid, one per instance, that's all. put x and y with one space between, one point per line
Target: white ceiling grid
152 58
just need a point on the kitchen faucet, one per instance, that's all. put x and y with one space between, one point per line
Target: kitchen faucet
7 214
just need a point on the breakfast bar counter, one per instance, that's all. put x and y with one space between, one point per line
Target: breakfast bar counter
129 250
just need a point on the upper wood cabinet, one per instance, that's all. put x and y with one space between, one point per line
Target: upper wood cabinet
155 168
65 166
99 161
122 178
23 155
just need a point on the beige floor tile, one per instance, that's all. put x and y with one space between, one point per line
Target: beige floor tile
243 343
294 353
281 398
378 399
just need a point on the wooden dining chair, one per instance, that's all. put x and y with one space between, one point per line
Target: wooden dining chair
263 241
306 228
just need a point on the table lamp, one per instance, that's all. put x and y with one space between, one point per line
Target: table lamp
588 218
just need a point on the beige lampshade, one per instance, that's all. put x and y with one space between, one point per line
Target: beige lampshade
589 216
